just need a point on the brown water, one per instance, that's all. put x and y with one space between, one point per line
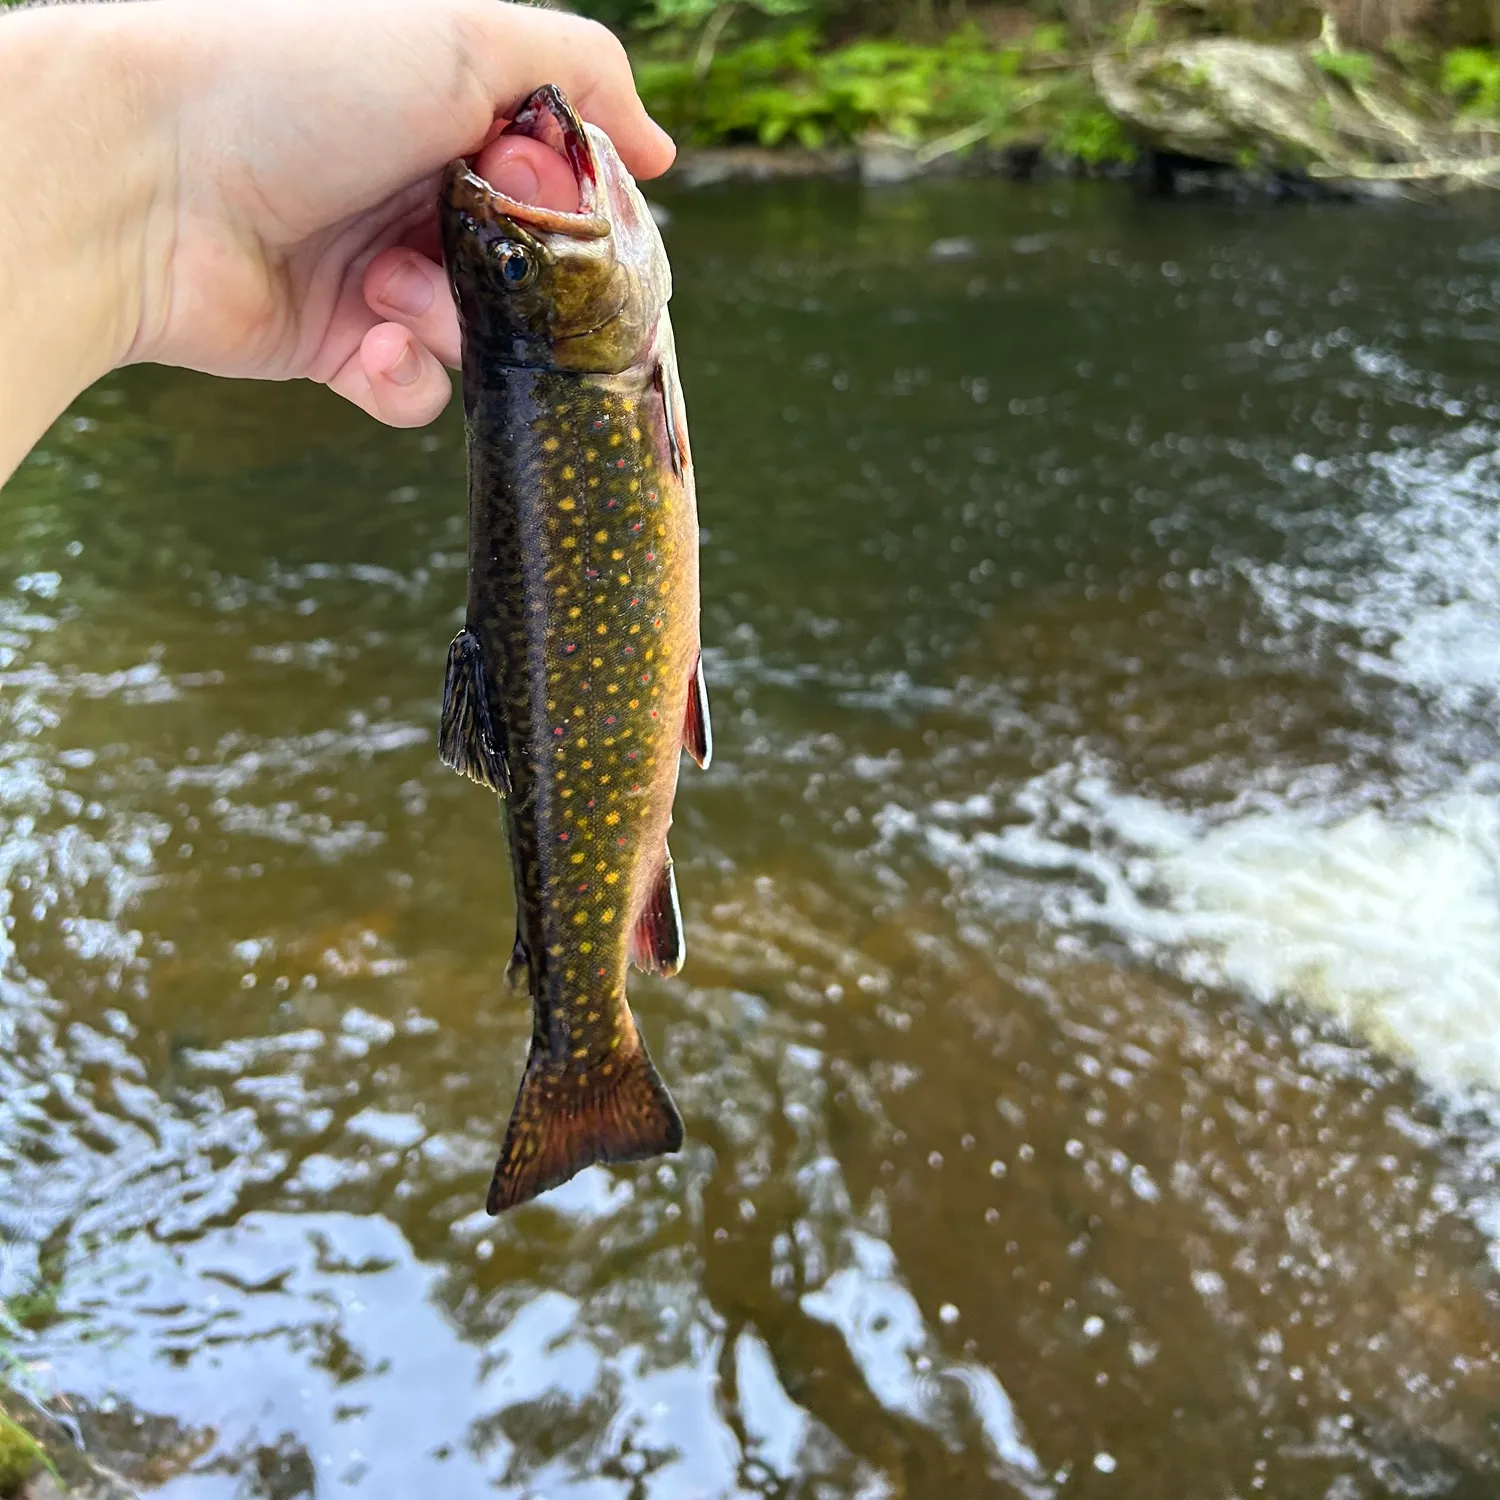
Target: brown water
1089 1038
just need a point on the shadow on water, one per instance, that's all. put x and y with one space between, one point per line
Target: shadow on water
1087 1036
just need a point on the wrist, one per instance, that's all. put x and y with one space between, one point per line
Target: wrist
85 184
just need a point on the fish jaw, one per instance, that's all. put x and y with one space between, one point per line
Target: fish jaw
593 283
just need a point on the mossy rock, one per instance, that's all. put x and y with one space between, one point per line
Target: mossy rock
21 1456
1340 116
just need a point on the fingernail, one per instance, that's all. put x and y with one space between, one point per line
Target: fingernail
408 291
516 178
406 366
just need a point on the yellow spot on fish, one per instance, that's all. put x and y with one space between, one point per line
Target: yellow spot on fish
598 661
580 1052
601 536
550 444
587 765
611 687
635 630
568 471
615 440
579 918
607 915
601 628
612 877
585 947
573 614
566 503
592 1017
570 541
635 486
607 1069
611 818
635 702
577 859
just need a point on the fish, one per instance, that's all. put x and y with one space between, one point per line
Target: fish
577 679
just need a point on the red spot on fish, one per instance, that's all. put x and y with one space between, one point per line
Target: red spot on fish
558 730
590 803
636 787
591 572
620 841
610 505
619 463
562 838
650 557
569 650
600 422
657 622
634 755
609 720
645 677
633 601
651 494
630 651
600 972
583 887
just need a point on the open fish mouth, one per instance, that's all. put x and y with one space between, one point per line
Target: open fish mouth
546 116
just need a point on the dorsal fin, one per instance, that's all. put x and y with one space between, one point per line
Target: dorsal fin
657 945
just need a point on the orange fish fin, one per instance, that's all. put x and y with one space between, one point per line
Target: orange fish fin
657 945
566 1119
698 730
466 735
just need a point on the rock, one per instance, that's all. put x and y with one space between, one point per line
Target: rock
1292 109
884 159
707 166
958 247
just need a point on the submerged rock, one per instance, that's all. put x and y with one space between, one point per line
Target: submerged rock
1344 118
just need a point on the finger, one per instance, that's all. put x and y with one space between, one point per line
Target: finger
529 171
406 288
394 379
518 48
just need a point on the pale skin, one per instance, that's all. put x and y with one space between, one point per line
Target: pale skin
248 187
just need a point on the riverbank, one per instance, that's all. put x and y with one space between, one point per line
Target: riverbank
1185 113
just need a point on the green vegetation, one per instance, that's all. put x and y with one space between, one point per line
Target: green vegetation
954 94
1353 67
21 1456
1471 75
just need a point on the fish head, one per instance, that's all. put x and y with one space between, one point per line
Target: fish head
542 288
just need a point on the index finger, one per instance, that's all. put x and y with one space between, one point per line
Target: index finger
515 49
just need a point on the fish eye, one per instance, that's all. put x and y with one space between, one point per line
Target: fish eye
514 262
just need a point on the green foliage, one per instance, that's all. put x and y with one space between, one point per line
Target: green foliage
1471 75
21 1456
1090 134
786 88
1352 67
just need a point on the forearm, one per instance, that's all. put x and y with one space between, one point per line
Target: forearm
83 165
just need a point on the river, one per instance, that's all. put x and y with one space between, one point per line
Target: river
1090 1036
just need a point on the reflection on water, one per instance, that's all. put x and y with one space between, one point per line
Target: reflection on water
1088 1042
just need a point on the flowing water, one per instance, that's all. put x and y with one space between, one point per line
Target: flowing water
1090 1036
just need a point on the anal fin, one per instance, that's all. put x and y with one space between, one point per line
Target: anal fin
698 729
657 945
566 1119
466 735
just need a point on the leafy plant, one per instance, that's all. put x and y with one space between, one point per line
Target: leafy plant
1355 68
1471 75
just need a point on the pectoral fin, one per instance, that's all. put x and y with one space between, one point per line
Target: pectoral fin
518 970
657 945
698 729
466 736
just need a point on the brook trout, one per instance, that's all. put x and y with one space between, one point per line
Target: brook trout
576 680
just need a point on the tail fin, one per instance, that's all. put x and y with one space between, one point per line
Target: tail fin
565 1120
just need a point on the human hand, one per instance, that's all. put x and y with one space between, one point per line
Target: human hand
299 236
